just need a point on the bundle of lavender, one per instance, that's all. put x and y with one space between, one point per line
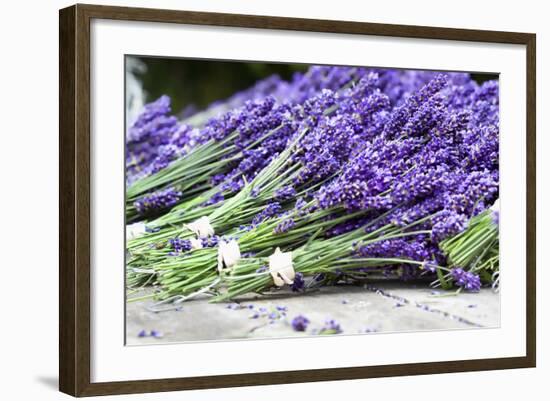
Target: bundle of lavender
325 141
449 181
431 164
169 162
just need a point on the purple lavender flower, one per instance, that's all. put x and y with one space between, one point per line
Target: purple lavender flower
415 249
179 244
157 201
156 334
269 211
300 323
298 283
398 85
465 279
151 112
447 223
285 193
216 198
414 109
284 226
318 78
428 159
300 203
155 139
331 327
210 242
219 128
333 139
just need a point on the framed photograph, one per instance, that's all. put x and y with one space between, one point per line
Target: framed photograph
250 200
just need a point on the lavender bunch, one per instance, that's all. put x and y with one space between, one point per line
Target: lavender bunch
426 177
318 155
323 153
323 259
256 159
432 164
234 138
221 142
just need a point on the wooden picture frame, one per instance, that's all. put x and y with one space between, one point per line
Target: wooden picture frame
74 199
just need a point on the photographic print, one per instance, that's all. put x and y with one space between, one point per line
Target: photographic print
290 183
269 200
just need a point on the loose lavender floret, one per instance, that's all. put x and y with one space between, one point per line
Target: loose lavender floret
298 283
331 327
156 334
300 323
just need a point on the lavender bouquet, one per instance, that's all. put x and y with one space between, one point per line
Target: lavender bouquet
391 175
436 192
169 162
330 131
448 124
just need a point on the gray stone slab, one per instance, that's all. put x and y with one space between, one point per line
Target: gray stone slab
384 307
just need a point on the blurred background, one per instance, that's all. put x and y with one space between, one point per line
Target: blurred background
193 84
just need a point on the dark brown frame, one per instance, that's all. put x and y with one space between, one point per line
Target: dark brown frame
74 199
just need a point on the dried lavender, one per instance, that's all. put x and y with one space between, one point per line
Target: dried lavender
351 160
465 279
300 323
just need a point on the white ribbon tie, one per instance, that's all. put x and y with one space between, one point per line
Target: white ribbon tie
228 255
135 230
281 268
201 227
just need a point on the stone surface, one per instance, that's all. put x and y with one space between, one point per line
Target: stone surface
376 308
